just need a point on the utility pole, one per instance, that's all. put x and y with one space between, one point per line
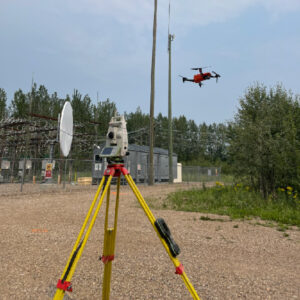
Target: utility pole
151 133
170 39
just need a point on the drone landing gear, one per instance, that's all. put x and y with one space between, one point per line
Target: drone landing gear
186 79
159 226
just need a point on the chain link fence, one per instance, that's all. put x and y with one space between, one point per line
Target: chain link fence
62 171
200 174
44 170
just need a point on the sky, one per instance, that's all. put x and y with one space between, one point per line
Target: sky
105 48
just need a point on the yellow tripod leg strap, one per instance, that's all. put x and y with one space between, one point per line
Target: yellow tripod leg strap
150 216
78 247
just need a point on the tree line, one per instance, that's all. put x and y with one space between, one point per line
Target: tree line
260 146
198 143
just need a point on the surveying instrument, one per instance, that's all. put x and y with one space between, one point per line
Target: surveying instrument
116 148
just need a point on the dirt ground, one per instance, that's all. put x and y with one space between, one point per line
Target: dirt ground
223 260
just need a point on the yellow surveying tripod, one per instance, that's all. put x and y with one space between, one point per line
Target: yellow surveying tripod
159 225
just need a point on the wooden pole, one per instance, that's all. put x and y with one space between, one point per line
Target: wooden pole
171 177
151 131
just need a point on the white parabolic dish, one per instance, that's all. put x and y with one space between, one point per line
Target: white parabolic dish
66 129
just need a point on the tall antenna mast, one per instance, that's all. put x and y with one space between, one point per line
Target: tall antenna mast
170 39
169 20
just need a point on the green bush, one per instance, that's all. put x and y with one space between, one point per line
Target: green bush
239 202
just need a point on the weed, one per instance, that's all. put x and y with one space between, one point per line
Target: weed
236 202
282 227
204 218
236 226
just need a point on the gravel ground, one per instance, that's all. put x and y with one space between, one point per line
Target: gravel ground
223 260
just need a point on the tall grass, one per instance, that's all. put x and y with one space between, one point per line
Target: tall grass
238 202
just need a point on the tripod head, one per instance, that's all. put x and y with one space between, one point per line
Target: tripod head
116 145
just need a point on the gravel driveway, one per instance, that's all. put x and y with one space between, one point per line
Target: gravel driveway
223 259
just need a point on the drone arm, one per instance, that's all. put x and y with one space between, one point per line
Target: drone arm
217 76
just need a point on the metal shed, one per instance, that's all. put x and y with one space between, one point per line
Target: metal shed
137 164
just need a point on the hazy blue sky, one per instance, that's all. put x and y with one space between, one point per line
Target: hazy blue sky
105 46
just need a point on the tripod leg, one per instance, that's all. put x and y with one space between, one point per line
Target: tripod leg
79 246
109 245
150 216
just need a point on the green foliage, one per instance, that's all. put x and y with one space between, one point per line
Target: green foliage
237 202
3 99
138 127
82 108
161 131
20 105
38 101
264 139
201 145
103 112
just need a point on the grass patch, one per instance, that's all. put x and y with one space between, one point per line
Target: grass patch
282 227
237 202
227 179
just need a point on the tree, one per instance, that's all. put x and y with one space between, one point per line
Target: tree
161 131
103 113
193 140
181 145
82 107
20 105
263 139
3 99
56 104
138 127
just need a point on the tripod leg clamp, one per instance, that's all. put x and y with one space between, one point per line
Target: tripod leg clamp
108 258
165 233
65 286
179 269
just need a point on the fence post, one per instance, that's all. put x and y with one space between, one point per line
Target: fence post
70 170
64 185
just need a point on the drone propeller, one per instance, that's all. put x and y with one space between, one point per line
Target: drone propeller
183 78
200 68
216 75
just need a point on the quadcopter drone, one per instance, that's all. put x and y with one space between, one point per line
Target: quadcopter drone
198 78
